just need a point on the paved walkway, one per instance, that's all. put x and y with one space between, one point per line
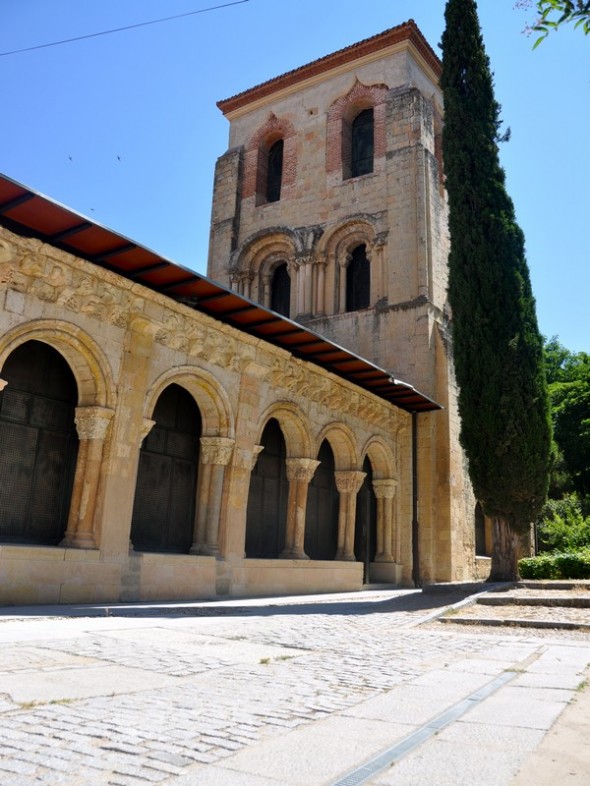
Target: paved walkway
339 689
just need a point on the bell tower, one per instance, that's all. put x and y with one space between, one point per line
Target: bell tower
329 207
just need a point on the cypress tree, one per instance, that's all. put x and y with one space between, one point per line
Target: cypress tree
497 347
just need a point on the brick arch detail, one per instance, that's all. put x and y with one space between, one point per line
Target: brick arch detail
340 116
256 152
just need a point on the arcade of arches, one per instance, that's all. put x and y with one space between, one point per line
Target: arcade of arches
150 452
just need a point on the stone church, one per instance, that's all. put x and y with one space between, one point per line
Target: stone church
287 425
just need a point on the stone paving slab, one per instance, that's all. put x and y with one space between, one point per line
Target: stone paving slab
284 693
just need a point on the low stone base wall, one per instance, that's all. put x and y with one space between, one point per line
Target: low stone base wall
265 577
31 575
39 575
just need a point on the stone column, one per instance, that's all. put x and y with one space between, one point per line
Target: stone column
92 424
320 301
378 273
348 483
299 473
387 549
216 453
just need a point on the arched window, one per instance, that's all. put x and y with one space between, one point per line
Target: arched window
480 532
358 280
274 173
280 290
164 508
267 499
362 144
38 445
365 531
321 519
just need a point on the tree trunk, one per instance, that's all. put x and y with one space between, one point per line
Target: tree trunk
506 551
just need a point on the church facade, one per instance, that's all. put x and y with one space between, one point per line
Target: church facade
290 429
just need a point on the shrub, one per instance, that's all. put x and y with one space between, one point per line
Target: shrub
562 525
568 565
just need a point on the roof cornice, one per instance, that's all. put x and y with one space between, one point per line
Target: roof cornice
396 38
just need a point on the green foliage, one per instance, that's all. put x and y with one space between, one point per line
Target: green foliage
498 350
570 565
554 13
562 525
568 374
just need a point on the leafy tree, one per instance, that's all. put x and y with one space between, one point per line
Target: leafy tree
498 350
554 13
563 526
568 374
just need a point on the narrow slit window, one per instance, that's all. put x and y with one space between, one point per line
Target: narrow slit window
274 172
363 144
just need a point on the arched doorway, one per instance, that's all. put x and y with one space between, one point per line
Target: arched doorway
38 445
321 518
164 507
365 530
267 498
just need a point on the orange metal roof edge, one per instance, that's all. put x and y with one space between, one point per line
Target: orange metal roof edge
408 31
395 391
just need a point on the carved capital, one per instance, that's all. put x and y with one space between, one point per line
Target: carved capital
385 488
216 450
3 384
246 459
349 480
146 427
92 422
301 468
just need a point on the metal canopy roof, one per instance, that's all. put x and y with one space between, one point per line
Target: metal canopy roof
25 212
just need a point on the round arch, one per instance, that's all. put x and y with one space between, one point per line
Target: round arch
89 364
343 444
293 425
382 458
211 398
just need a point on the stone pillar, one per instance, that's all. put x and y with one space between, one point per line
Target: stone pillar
321 288
92 424
378 272
216 453
348 483
388 545
299 473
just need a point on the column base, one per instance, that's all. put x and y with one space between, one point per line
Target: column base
293 554
343 556
78 542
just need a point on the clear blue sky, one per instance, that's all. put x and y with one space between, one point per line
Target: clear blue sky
148 96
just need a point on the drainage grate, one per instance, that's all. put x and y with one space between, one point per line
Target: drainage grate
403 747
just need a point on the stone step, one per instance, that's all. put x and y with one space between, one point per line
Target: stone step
564 601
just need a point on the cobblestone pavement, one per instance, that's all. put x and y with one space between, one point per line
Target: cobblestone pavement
279 692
